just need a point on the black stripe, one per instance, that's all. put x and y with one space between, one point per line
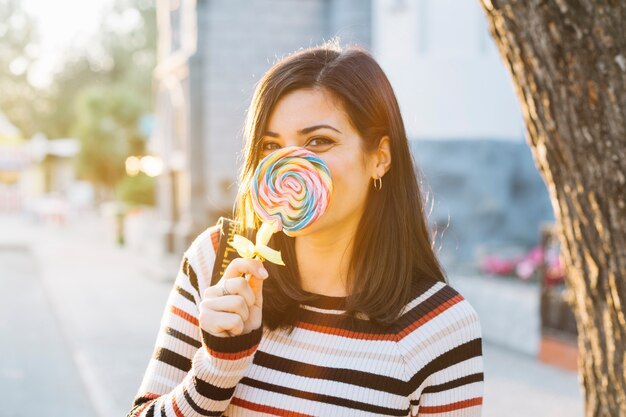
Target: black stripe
150 412
422 285
172 358
425 308
232 344
142 399
211 391
337 321
325 301
323 398
138 403
463 352
163 413
191 274
417 313
469 379
197 408
347 376
185 294
183 337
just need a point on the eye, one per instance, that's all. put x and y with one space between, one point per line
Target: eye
320 141
267 146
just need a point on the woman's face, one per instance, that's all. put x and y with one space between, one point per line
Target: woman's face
313 119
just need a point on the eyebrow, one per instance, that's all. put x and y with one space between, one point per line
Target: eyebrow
303 131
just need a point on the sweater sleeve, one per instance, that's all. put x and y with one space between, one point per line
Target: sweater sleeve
191 372
441 342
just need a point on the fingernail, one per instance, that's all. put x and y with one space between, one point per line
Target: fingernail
263 272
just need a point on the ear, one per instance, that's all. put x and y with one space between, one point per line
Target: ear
382 157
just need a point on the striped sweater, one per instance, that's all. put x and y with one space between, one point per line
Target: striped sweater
430 364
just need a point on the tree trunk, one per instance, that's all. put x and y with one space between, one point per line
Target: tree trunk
567 59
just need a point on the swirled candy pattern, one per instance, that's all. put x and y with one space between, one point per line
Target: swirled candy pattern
293 186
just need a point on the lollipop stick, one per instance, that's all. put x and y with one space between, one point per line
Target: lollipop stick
258 250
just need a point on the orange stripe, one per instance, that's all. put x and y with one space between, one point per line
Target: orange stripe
345 333
451 407
184 314
382 336
232 356
143 407
176 409
266 408
149 395
430 315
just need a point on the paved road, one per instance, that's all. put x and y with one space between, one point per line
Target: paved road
38 375
80 318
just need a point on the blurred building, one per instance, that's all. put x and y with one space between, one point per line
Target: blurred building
457 100
14 159
461 113
210 55
37 175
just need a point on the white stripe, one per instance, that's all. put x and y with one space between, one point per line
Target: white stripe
325 387
176 322
438 336
321 310
211 369
453 395
337 352
201 400
333 340
457 316
473 411
301 405
305 346
182 303
174 344
427 294
155 374
184 282
457 370
201 255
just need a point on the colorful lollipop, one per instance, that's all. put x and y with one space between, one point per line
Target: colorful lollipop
291 188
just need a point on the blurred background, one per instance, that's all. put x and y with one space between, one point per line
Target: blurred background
120 141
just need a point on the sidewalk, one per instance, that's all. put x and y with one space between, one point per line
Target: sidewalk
103 305
86 313
37 373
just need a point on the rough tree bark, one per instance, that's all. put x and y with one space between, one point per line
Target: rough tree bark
567 59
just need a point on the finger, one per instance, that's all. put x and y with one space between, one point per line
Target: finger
241 266
229 303
217 322
256 286
240 286
206 320
236 286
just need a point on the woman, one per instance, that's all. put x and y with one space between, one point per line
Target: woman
361 320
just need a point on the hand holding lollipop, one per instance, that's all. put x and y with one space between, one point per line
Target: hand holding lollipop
290 190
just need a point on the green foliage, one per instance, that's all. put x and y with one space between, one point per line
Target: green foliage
109 99
19 100
99 96
137 190
126 57
107 126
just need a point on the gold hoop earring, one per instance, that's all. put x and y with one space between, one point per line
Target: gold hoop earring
380 183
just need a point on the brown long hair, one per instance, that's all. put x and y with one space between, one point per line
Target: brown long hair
392 246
